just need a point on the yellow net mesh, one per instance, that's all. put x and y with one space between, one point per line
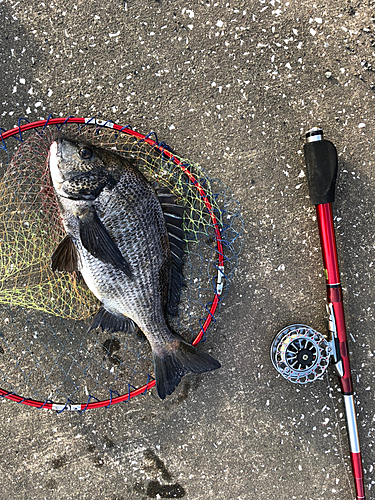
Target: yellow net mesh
30 229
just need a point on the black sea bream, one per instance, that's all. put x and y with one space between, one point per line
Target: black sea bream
117 237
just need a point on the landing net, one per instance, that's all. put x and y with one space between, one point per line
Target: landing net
47 357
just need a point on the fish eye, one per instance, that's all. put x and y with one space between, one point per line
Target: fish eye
85 153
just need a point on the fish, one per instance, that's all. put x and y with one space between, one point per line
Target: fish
125 237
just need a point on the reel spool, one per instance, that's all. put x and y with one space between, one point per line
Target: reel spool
300 354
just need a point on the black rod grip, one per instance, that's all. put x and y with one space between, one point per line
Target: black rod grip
322 166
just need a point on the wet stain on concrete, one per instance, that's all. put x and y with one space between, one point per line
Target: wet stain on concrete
187 387
51 484
108 442
154 462
59 462
154 488
139 488
184 392
110 346
98 461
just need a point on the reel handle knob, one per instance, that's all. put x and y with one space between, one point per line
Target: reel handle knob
322 166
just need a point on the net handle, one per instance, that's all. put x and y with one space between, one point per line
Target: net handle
59 122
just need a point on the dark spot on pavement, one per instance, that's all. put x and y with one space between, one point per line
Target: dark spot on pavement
139 488
91 448
184 392
111 345
51 484
164 490
108 442
187 386
154 462
58 463
98 461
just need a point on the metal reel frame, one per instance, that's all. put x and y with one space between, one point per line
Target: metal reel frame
300 354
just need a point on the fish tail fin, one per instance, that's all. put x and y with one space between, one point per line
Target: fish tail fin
172 365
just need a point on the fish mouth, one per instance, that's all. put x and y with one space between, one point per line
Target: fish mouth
55 155
59 148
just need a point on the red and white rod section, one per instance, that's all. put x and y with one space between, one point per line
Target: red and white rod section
334 299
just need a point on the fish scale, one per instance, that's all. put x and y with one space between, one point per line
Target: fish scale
140 298
116 225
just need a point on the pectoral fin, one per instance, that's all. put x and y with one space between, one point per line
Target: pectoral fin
65 257
98 242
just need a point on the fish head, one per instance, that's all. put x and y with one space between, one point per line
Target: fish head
78 170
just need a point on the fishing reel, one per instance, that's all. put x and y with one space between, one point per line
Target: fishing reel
302 355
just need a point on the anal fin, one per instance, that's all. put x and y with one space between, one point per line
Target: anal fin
106 320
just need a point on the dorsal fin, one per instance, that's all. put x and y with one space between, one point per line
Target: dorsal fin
175 286
172 219
176 231
173 215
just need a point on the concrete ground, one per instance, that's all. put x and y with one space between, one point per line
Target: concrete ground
233 86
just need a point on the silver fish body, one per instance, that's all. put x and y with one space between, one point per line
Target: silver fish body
117 238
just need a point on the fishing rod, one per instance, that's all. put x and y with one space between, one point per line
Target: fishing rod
298 352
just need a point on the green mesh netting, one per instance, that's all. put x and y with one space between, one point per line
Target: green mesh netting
45 350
